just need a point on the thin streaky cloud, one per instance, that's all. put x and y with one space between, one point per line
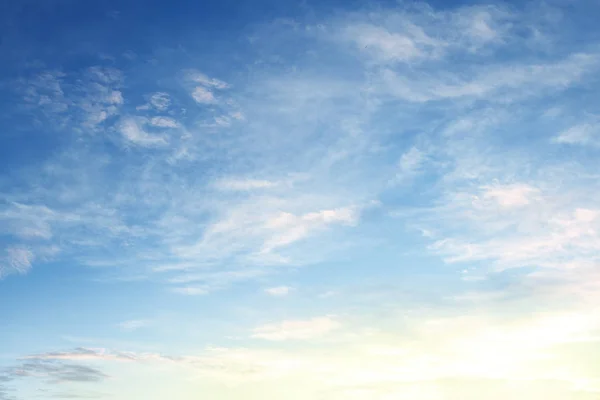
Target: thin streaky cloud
278 291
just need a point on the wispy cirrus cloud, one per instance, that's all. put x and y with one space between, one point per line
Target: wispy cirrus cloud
134 324
16 260
133 132
67 105
278 291
586 134
296 329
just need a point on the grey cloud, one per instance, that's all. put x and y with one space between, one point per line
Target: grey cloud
54 371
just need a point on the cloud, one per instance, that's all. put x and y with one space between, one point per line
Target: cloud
496 81
55 372
199 77
422 34
582 134
17 259
96 354
133 325
81 107
164 122
287 228
133 132
514 195
237 115
201 283
203 95
191 290
410 163
278 291
296 329
160 101
244 184
387 46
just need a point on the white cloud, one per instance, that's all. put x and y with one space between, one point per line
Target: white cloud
133 325
133 132
423 34
203 95
287 228
328 294
237 115
115 97
18 259
385 45
200 283
513 195
105 75
164 122
296 329
160 101
582 134
192 290
278 291
204 80
222 121
410 164
500 82
244 184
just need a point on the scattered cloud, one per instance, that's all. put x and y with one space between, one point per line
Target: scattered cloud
244 184
134 324
199 77
410 164
56 372
164 122
191 290
160 101
279 291
582 134
287 228
17 259
203 95
388 46
81 107
514 195
133 131
495 82
296 329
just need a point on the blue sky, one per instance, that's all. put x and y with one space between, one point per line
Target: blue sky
300 200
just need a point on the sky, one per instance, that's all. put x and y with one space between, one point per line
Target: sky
299 200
